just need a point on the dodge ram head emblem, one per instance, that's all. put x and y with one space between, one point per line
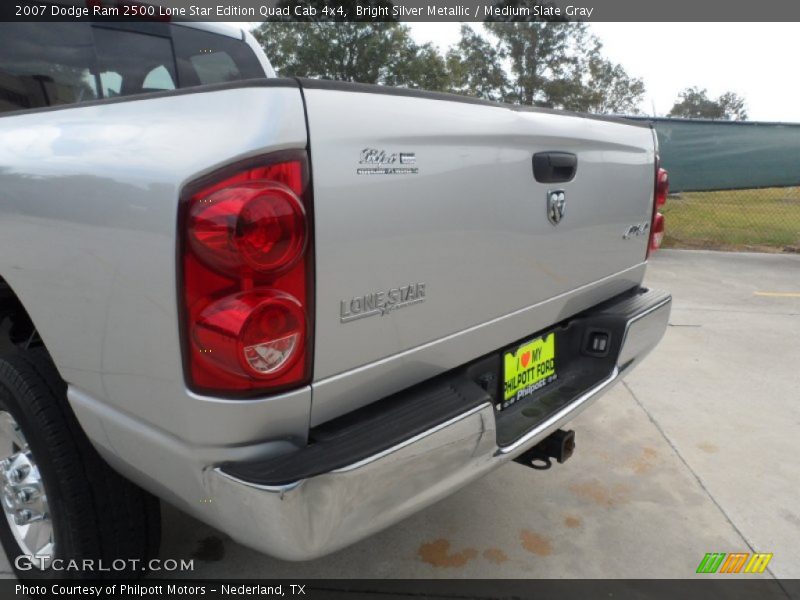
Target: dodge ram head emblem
556 200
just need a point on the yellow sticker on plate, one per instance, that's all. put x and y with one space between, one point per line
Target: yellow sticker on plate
529 368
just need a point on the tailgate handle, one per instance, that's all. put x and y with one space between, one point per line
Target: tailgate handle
554 167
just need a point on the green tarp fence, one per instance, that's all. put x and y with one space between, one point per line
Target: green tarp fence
723 155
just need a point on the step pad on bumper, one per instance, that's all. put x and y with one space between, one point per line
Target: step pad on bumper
368 431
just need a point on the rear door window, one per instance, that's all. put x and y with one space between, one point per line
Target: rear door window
51 64
46 64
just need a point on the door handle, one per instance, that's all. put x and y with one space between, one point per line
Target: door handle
554 167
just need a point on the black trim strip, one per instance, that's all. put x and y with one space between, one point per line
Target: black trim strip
278 82
325 84
365 88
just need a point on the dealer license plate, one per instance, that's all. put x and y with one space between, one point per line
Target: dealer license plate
528 368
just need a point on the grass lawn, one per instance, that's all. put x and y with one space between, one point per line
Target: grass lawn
763 220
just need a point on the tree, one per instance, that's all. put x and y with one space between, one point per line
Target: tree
543 63
420 67
367 52
733 106
694 103
609 89
560 65
540 60
475 67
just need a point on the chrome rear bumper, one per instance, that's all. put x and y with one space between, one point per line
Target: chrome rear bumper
318 515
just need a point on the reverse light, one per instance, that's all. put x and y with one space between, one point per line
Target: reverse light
657 232
257 333
246 278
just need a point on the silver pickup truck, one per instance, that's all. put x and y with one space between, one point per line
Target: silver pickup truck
297 310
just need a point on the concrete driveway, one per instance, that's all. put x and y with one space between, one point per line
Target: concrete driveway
697 451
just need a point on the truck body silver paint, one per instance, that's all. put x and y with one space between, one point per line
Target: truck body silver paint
88 223
471 223
88 219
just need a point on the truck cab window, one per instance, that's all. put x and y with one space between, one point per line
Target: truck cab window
136 57
50 64
45 64
110 84
158 80
214 67
204 58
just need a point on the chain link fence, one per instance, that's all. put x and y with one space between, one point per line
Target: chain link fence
766 219
736 185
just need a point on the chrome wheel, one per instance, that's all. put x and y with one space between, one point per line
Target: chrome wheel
23 495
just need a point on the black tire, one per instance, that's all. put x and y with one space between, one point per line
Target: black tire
96 513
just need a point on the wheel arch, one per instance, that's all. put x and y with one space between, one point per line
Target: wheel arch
17 328
16 325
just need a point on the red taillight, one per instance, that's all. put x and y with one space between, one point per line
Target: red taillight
660 198
257 226
662 187
247 267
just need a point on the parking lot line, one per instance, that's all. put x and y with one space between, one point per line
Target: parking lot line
778 294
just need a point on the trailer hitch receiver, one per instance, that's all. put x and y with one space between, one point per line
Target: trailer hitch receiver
559 445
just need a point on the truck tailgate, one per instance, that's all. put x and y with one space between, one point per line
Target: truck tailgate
429 221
